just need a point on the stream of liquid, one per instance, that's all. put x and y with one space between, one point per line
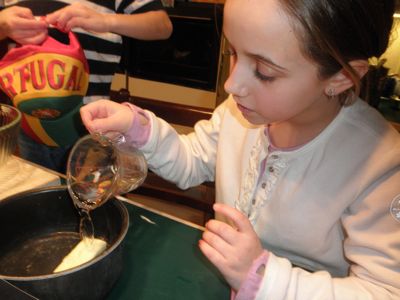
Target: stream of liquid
86 227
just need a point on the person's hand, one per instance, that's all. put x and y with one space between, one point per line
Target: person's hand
19 24
78 15
232 249
105 116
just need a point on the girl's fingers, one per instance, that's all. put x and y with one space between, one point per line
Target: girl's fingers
212 255
221 263
104 116
113 123
241 222
92 111
98 109
217 243
224 230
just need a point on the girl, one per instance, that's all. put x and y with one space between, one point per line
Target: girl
307 175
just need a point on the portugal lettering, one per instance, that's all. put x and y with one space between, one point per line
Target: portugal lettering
41 75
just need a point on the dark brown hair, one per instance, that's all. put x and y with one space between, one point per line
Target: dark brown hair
335 32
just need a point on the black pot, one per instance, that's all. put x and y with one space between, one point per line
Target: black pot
39 227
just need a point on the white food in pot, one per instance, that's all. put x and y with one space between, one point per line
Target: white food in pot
84 251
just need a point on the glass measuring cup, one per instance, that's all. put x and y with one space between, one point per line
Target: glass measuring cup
100 167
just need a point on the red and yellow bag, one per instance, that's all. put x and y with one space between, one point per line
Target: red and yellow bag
47 84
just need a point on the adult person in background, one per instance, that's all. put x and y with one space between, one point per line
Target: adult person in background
99 26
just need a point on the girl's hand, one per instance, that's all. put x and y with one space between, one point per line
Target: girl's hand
232 249
104 116
19 24
78 15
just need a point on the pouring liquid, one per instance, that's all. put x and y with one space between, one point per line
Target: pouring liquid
98 168
90 190
86 227
88 247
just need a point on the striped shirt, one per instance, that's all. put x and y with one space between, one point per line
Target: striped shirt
103 50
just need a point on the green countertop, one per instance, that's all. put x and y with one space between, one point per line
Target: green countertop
163 261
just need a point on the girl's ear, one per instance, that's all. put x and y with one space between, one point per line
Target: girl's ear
342 80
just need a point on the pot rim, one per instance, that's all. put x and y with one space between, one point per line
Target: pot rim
13 122
125 226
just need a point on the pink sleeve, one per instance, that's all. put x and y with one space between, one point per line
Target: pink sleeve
248 289
139 133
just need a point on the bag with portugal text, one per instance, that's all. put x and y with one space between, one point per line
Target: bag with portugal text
47 83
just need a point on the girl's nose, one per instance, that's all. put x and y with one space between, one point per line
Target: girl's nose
235 84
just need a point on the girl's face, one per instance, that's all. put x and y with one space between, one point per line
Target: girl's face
270 79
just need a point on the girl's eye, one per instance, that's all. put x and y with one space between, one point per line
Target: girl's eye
264 72
263 77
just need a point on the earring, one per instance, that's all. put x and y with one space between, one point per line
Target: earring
331 93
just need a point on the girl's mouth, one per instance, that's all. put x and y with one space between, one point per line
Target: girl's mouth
243 109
